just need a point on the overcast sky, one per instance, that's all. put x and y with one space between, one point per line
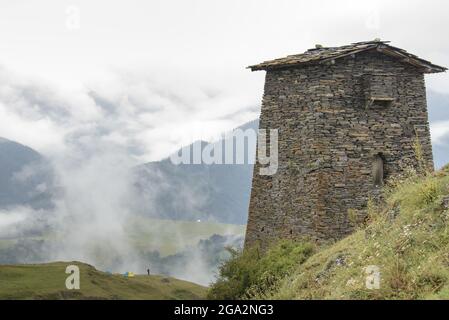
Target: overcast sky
149 76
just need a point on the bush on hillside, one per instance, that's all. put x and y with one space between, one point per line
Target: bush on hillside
248 273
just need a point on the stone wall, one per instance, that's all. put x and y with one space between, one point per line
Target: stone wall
331 128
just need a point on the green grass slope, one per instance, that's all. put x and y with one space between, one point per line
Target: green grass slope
47 281
407 238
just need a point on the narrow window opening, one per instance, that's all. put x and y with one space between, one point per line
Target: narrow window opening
378 170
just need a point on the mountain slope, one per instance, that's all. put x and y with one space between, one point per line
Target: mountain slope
196 191
25 179
47 281
185 192
221 192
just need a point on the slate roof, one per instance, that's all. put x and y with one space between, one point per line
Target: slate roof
321 55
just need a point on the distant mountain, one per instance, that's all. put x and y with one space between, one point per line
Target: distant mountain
164 190
439 111
196 192
25 178
221 192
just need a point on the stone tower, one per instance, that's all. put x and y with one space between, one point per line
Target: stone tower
347 117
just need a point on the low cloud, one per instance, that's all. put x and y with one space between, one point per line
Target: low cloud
92 138
150 116
21 221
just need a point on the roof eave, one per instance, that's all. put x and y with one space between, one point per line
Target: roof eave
426 66
431 68
403 56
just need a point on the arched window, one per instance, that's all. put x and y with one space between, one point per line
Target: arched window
378 170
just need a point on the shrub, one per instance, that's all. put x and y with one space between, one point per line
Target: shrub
429 192
248 273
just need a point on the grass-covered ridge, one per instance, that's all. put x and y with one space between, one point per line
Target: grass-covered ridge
406 237
47 281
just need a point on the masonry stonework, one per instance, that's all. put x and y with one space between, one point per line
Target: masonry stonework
335 121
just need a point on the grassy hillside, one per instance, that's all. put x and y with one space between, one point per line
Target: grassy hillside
47 281
406 238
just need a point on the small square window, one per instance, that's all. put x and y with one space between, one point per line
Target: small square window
379 90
